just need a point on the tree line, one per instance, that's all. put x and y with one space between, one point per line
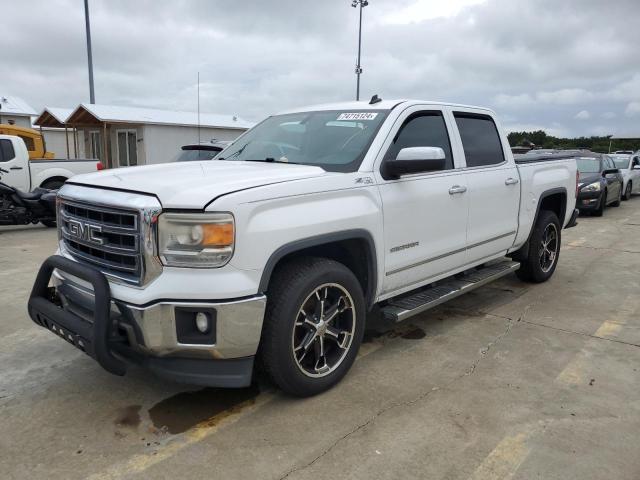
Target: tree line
540 139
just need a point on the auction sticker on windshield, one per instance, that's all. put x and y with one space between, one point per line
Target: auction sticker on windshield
357 116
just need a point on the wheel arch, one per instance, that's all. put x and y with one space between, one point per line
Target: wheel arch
57 178
353 248
554 200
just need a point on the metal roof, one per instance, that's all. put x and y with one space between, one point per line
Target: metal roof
118 114
53 117
13 105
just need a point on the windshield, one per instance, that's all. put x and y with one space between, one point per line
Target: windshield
588 165
334 140
621 162
194 155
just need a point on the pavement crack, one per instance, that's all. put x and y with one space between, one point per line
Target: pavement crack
413 401
565 330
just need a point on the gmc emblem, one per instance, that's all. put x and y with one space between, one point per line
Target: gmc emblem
85 231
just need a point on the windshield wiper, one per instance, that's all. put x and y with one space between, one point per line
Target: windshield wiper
237 152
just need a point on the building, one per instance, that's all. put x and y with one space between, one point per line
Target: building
59 139
15 111
126 136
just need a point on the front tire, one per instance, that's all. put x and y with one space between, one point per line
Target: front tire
49 223
627 191
544 249
600 211
313 325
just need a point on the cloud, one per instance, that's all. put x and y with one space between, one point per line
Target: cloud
633 109
582 115
532 60
609 115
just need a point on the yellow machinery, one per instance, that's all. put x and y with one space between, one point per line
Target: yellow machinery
33 139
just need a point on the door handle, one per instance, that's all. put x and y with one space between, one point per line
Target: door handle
15 168
511 181
457 189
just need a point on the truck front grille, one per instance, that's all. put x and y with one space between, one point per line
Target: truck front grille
108 238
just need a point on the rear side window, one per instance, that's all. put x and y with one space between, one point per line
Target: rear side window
6 150
480 139
422 129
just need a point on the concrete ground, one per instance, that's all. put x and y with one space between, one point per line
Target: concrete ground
511 381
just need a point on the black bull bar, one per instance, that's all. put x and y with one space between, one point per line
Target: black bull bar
92 338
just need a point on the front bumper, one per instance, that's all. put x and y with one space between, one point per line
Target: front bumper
160 336
587 201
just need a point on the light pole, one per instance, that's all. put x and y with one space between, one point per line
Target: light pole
92 96
361 4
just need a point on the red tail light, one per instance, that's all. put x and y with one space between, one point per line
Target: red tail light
99 166
577 180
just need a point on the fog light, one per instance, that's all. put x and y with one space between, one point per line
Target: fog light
202 322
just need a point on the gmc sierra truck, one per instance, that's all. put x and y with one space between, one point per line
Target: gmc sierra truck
279 250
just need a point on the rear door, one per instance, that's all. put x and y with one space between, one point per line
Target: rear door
425 214
17 167
493 185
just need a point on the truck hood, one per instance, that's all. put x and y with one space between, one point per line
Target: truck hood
195 184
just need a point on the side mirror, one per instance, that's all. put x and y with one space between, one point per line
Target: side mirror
414 160
610 171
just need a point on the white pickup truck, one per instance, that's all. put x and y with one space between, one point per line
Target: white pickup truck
278 251
26 175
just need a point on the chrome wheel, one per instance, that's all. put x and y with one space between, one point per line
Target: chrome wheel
548 247
323 331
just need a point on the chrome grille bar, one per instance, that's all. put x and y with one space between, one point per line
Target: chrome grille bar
113 230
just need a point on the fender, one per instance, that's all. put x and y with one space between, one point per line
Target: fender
319 240
563 211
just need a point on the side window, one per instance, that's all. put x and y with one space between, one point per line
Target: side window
6 150
422 129
608 163
480 139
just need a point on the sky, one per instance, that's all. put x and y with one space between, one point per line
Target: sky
570 67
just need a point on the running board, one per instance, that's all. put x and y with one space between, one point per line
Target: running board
408 305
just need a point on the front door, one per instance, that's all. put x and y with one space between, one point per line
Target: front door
17 175
127 148
494 187
425 214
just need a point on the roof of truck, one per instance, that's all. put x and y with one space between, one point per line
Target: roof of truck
381 105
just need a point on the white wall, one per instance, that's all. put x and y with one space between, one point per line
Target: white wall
19 120
54 138
162 143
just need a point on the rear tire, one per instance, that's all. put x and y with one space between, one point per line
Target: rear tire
544 249
313 325
53 185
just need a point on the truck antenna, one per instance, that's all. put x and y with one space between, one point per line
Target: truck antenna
198 107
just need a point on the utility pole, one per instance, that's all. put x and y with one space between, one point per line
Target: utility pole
92 96
361 4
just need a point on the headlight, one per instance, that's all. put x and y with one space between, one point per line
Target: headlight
592 187
197 240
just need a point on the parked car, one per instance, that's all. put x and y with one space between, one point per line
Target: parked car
623 152
278 251
600 184
629 166
26 175
200 151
